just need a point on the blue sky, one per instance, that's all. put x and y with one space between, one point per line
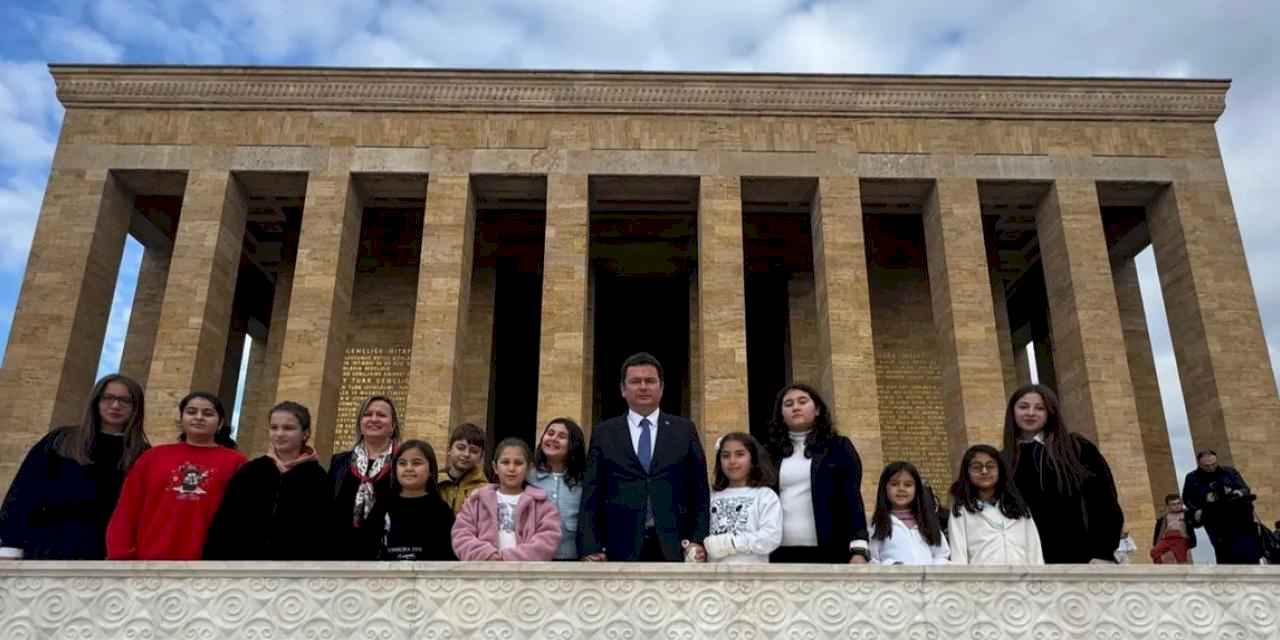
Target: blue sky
1177 39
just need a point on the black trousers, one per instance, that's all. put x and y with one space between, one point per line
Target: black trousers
651 549
798 555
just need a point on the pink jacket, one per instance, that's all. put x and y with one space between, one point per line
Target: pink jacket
475 531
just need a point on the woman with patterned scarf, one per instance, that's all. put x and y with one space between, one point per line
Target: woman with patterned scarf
363 476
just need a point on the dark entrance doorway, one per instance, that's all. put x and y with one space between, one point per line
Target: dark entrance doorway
634 314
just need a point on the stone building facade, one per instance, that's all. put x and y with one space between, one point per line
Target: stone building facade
488 245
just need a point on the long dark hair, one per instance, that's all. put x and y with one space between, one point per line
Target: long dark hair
965 495
921 509
433 467
1061 447
575 463
779 440
761 471
76 442
217 408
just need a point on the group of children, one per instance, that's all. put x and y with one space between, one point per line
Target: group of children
988 523
508 520
196 498
512 519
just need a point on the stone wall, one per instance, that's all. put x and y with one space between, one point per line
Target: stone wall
912 416
380 331
547 600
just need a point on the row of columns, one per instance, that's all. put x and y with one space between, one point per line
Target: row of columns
58 328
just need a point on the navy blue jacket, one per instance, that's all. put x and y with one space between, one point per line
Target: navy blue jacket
835 476
57 508
616 489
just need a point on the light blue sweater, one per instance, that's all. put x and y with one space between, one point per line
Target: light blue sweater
567 500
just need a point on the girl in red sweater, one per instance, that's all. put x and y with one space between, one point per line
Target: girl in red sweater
172 492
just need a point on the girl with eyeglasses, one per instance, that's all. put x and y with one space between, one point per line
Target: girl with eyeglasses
61 500
990 523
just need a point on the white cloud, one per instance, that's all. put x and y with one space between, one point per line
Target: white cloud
159 26
64 41
19 208
368 50
276 30
29 113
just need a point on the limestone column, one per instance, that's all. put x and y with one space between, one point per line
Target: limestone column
477 363
260 396
803 328
722 318
589 356
195 318
56 337
846 353
444 289
1089 348
562 372
695 353
1146 388
144 316
960 288
1000 307
319 302
1223 362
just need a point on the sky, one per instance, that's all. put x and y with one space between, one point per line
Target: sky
1170 39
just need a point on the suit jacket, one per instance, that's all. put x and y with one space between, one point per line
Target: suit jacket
616 489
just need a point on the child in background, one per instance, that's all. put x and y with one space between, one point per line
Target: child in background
904 527
746 515
1174 538
990 523
415 524
512 520
463 468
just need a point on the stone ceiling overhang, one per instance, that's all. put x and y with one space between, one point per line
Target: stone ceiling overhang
711 94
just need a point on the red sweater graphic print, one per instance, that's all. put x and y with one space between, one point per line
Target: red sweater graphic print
168 501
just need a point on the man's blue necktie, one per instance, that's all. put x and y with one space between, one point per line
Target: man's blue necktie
645 449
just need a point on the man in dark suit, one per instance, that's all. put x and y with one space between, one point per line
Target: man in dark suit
645 494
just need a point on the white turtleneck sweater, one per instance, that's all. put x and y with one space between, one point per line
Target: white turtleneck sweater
794 480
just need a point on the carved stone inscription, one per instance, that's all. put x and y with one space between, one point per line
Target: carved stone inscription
368 371
912 416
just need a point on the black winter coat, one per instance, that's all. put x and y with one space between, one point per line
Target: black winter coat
268 515
58 509
1074 527
350 543
1222 503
